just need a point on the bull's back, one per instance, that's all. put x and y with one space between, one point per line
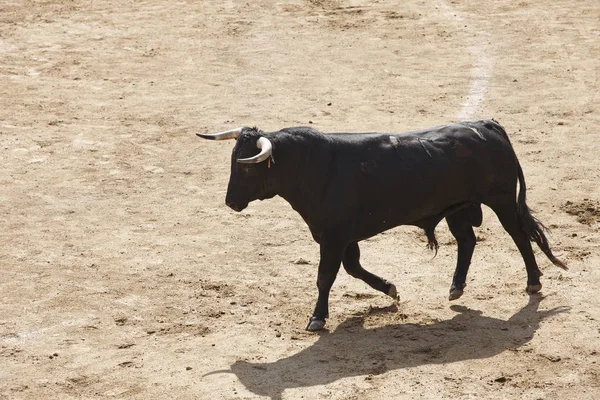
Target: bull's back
401 178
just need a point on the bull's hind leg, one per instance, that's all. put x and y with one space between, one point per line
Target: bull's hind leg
460 224
507 214
351 262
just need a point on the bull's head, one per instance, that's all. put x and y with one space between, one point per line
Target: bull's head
250 176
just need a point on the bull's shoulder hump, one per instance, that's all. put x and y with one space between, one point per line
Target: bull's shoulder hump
357 138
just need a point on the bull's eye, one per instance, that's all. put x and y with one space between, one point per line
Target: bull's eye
248 169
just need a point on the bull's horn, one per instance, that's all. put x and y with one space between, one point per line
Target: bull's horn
266 149
231 134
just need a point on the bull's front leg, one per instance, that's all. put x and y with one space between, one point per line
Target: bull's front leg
329 265
351 262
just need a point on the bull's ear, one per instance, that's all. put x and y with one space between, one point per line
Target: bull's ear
266 150
231 134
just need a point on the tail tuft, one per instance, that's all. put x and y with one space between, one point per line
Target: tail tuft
532 226
535 230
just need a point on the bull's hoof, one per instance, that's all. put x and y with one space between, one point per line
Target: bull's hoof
532 289
455 294
315 324
392 292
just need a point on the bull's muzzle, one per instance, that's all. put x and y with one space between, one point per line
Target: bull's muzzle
234 206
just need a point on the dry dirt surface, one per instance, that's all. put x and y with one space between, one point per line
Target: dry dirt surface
124 275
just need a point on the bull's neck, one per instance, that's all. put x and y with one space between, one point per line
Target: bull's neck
306 180
304 196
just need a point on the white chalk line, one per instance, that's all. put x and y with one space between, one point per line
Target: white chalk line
481 73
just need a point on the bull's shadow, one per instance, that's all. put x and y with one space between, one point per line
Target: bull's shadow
353 350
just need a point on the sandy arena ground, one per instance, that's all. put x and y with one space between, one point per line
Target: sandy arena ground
124 275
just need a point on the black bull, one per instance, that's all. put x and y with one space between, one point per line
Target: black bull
349 187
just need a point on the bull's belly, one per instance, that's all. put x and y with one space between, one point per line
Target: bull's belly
372 225
374 220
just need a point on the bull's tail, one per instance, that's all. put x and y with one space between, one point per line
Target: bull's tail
532 227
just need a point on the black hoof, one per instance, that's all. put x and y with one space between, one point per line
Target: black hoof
533 289
455 294
315 324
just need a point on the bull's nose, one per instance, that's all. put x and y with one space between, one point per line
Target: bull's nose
233 206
